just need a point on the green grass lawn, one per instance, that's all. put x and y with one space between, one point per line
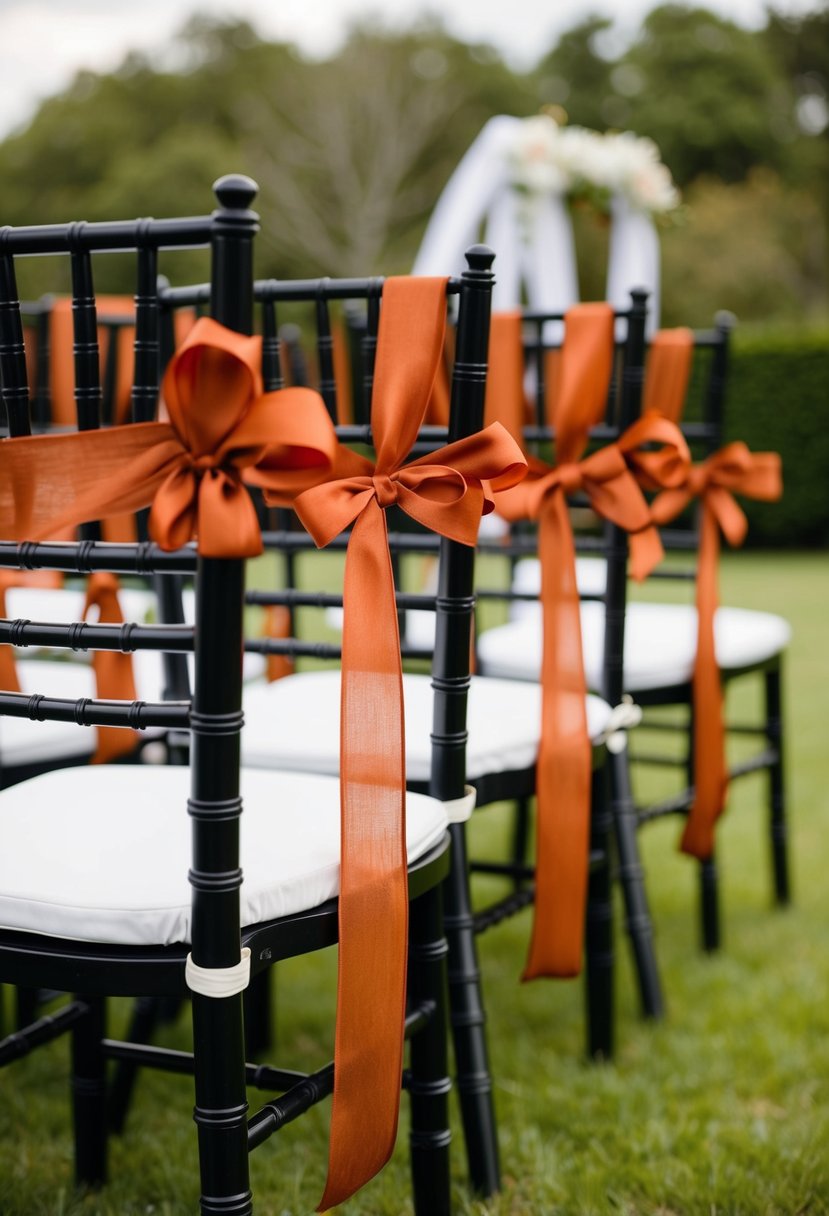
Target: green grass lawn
722 1109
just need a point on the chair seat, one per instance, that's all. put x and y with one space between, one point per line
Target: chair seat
102 853
660 644
504 719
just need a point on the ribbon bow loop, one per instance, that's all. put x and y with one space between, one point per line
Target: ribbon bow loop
223 431
211 385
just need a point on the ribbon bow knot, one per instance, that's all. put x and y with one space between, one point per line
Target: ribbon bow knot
385 490
223 431
734 469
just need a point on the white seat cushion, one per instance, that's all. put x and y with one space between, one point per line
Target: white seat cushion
102 854
294 723
660 644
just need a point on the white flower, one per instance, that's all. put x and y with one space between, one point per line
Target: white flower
533 157
634 170
545 158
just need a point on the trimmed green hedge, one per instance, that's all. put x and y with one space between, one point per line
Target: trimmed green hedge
778 400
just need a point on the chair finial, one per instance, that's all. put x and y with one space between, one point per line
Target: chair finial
479 258
235 192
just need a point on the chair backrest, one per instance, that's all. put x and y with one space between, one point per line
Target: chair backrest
315 302
214 717
602 539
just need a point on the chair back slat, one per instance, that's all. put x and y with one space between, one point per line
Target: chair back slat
144 396
325 352
13 374
271 365
88 395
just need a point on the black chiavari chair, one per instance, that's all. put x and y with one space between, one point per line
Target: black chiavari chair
503 716
119 838
657 659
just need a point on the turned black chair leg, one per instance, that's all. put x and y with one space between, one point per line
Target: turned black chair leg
632 877
599 960
521 828
26 1002
709 898
89 1094
474 1081
778 827
221 1106
709 881
258 1014
146 1015
429 1083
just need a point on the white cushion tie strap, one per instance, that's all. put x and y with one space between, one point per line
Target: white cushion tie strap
218 981
459 810
623 717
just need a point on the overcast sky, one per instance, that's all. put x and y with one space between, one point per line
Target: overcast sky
44 42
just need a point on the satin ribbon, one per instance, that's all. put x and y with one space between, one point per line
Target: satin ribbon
667 371
732 470
276 623
114 674
222 431
447 492
607 479
9 681
113 671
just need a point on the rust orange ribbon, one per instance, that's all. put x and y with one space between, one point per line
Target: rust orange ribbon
62 360
223 431
9 681
607 478
114 675
114 679
732 470
667 371
447 492
276 623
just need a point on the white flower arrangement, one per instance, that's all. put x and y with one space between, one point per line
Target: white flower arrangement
578 163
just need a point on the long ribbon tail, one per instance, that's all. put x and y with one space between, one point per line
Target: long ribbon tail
277 624
667 372
114 674
563 777
710 769
9 681
373 910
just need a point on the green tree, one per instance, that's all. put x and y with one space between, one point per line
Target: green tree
708 92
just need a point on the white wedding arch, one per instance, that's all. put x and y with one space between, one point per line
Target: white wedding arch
514 182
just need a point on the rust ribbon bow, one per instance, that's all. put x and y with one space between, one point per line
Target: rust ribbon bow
223 430
732 470
607 478
447 492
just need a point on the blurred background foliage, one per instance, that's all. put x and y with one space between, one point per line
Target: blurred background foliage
351 153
